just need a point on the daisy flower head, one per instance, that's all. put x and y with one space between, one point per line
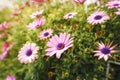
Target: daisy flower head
37 14
58 44
39 1
98 17
32 26
3 55
104 51
2 35
79 1
28 53
45 34
113 4
10 77
69 15
15 13
36 24
5 50
4 25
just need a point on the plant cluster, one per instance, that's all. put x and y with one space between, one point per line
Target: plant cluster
59 40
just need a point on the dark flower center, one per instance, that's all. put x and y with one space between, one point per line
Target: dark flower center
46 34
105 50
29 52
60 46
116 5
69 14
98 17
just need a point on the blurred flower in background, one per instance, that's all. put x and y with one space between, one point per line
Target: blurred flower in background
37 14
5 50
79 1
4 26
36 24
10 77
2 35
15 13
39 1
69 15
113 4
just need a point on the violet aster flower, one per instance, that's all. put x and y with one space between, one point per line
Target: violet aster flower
5 49
2 35
113 4
3 55
10 77
58 44
118 12
36 24
28 53
4 25
36 14
15 13
104 51
45 33
98 17
69 15
38 1
79 1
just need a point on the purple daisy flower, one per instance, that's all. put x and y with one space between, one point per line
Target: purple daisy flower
28 53
15 13
69 15
79 1
58 44
104 51
36 24
36 14
4 26
39 1
2 35
10 77
113 4
98 17
5 50
3 55
45 34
